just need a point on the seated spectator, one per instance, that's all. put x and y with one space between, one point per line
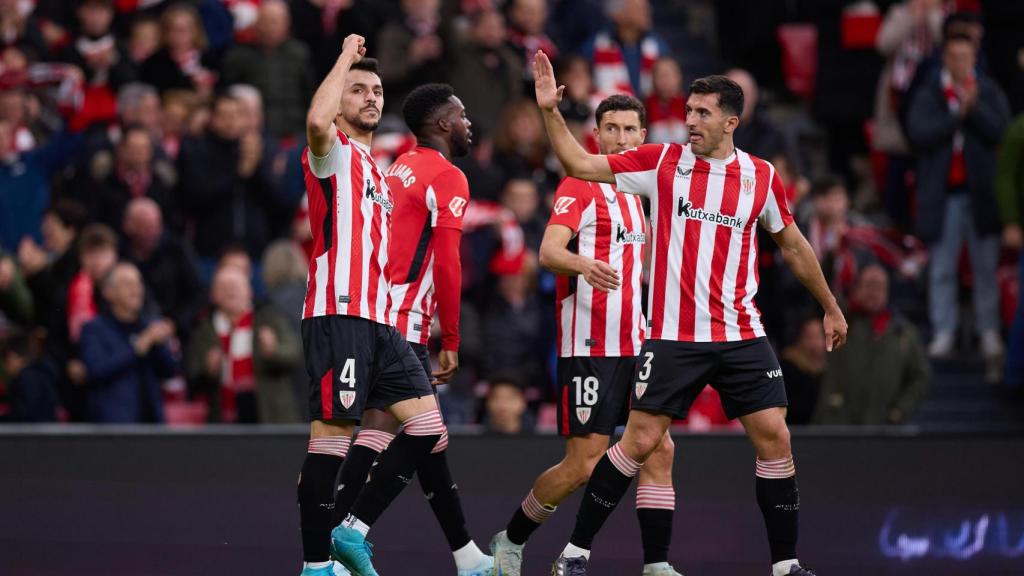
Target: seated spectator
243 359
181 63
413 49
126 354
666 106
506 407
21 28
15 297
512 328
166 264
624 56
31 381
97 252
50 267
756 134
803 364
522 198
278 66
177 108
881 375
285 270
521 147
143 39
527 20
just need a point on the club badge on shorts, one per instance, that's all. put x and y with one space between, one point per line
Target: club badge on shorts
641 387
583 414
347 398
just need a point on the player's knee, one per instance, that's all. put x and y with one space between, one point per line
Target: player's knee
667 447
641 445
776 439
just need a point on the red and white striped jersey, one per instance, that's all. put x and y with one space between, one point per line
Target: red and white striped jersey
704 262
430 193
609 226
350 217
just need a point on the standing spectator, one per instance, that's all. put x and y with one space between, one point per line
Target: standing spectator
756 133
956 121
909 33
666 106
506 406
143 39
881 375
803 364
243 359
285 270
413 50
20 28
126 354
279 66
1010 190
177 108
166 264
15 297
522 198
486 73
32 381
97 252
50 267
181 62
527 20
512 329
624 56
521 147
228 185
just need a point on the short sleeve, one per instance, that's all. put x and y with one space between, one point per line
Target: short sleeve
324 166
451 190
776 215
571 200
636 170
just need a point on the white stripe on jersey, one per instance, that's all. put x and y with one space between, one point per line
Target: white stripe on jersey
613 303
713 199
343 225
584 291
638 328
320 297
732 265
670 320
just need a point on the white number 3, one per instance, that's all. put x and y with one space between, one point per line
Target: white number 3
648 357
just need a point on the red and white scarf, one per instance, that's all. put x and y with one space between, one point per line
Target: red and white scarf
953 94
611 75
237 374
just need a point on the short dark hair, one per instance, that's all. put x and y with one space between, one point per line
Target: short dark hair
825 183
621 103
97 236
367 65
730 95
70 212
18 343
423 103
957 37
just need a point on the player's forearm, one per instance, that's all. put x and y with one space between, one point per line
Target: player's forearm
801 260
327 98
577 162
448 287
560 260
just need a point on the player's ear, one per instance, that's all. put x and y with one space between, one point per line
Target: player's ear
731 123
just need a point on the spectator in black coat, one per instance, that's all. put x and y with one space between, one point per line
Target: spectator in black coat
32 381
50 267
181 63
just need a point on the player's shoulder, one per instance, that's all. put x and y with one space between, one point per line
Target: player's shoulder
581 189
755 161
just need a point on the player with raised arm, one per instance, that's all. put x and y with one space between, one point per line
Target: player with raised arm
431 196
354 358
596 234
706 197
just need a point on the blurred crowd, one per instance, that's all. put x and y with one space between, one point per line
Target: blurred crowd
154 240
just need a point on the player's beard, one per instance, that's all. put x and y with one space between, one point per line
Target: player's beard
362 125
461 145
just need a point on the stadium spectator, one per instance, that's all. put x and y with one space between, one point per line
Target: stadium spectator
97 253
513 339
520 146
166 264
181 62
506 406
527 20
51 266
279 66
177 108
882 374
134 170
666 105
908 35
233 202
21 28
143 39
956 121
756 134
15 297
486 73
31 381
242 358
1010 191
126 354
522 198
413 49
803 363
285 270
624 55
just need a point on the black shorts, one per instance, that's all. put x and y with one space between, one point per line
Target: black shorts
423 355
595 394
355 364
671 374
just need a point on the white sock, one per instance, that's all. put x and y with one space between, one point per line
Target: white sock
357 524
469 556
782 568
657 565
575 552
316 564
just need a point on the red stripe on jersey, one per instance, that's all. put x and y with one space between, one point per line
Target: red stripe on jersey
355 279
691 252
663 229
327 395
602 250
750 247
626 325
723 242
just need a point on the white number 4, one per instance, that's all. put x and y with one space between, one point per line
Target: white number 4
648 357
586 390
348 373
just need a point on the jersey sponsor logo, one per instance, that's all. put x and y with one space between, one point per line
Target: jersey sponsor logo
457 205
583 414
403 173
777 373
347 397
641 387
624 236
376 197
562 205
683 173
686 210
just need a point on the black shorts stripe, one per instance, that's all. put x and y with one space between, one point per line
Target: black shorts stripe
328 190
421 252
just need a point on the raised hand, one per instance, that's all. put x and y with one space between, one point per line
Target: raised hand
353 47
549 94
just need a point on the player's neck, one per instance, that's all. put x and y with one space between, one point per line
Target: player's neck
436 143
724 151
363 137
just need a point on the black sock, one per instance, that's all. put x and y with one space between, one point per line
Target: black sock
779 500
655 533
316 505
520 527
606 487
393 472
353 476
443 495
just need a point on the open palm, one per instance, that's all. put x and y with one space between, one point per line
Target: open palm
549 94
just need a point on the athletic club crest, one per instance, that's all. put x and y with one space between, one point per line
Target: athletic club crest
583 414
641 387
748 185
347 398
